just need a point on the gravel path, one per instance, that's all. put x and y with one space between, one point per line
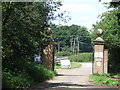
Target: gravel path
72 78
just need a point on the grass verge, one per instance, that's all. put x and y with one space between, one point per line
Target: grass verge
110 79
73 65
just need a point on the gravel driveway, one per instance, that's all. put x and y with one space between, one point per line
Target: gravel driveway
72 78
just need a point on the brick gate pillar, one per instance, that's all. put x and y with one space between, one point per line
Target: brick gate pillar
98 54
48 56
106 61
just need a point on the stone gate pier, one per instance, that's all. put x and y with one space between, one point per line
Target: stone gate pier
100 55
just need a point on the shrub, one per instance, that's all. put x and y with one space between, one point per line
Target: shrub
39 73
81 57
19 80
25 75
63 53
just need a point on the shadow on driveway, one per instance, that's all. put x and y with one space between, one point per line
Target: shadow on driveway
69 75
66 86
48 85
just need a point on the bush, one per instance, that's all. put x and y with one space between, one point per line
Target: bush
63 53
19 80
39 73
81 57
25 76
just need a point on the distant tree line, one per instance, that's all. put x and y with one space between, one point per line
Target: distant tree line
68 37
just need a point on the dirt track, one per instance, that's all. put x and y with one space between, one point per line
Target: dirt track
72 78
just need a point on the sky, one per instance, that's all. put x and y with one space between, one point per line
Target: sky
82 12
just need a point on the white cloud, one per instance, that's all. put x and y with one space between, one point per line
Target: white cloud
82 12
81 8
106 1
85 18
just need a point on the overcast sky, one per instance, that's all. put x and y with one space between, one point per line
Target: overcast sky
83 12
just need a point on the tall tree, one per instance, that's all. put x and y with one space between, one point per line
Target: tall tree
24 28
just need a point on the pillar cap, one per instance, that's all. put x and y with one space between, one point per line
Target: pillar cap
99 32
98 40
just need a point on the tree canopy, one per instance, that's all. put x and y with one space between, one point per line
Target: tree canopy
109 24
24 28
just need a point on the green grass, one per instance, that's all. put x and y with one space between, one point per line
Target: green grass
105 79
73 65
98 79
57 66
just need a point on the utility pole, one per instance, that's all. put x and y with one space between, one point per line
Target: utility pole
71 41
77 47
58 47
77 44
74 46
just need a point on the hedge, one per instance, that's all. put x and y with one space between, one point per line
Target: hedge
63 53
81 57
